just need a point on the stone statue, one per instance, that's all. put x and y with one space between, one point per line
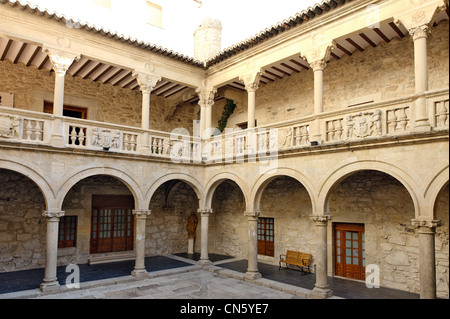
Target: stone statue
192 225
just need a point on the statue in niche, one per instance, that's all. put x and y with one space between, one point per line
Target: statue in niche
192 225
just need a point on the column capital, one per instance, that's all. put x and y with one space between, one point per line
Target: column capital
141 213
61 60
251 79
254 214
205 212
423 223
320 220
53 215
206 95
417 20
146 81
319 56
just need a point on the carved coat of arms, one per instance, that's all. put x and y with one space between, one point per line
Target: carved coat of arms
106 138
363 125
9 126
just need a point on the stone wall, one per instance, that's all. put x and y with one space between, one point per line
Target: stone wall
22 227
105 102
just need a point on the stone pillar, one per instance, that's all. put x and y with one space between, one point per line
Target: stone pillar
251 82
427 259
50 280
61 62
206 102
318 58
147 83
420 35
204 257
322 289
252 270
140 221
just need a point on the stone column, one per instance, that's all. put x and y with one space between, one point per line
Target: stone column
318 58
140 221
251 82
206 102
427 259
420 35
204 257
322 289
50 280
252 270
147 83
61 63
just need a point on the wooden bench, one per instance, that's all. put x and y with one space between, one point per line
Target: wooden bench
298 259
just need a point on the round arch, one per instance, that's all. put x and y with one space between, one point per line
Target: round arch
217 180
71 180
192 182
265 179
343 171
37 178
438 182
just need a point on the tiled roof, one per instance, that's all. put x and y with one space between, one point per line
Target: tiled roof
298 19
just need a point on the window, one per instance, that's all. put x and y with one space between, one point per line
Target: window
69 111
154 14
67 235
266 237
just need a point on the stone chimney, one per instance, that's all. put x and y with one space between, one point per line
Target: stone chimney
207 39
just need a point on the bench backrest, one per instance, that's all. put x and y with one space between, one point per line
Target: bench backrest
299 257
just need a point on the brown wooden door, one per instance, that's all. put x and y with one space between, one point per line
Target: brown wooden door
349 243
266 237
112 227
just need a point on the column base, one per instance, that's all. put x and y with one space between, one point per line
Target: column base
190 246
139 273
204 262
50 286
252 275
321 293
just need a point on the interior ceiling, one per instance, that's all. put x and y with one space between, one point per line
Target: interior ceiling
32 55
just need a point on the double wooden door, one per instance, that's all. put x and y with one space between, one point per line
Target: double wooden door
112 224
350 256
266 237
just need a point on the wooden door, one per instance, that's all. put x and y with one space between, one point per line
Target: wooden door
266 237
112 227
349 243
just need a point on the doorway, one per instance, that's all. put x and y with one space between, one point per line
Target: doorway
112 224
350 256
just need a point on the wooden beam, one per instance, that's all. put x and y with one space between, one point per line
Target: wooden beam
287 66
81 68
33 56
161 88
113 76
340 47
93 70
167 89
337 57
176 91
281 71
103 73
267 78
396 29
356 45
19 54
300 64
381 35
5 52
367 39
122 78
273 74
44 62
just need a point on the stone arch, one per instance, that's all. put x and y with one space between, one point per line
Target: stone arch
192 182
265 179
439 181
125 178
37 178
217 180
342 171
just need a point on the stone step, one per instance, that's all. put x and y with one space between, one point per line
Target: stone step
111 257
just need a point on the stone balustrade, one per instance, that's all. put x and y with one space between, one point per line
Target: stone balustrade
376 120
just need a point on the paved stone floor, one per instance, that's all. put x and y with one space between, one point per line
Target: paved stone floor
197 284
179 277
